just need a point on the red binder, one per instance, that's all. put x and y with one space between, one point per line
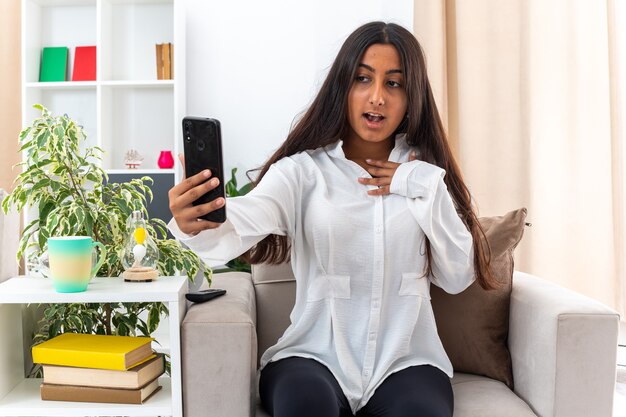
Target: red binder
84 64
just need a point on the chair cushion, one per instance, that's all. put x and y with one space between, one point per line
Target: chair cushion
474 325
265 273
274 303
478 396
275 288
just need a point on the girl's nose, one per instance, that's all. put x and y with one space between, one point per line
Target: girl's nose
376 96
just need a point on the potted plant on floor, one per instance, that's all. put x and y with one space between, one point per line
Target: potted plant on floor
67 187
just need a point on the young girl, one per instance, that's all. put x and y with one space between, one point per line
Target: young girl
366 201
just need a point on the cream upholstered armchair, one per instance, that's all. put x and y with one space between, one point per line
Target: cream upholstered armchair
562 344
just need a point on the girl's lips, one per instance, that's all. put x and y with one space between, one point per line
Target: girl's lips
373 122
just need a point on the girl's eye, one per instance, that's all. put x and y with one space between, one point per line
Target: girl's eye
394 84
361 78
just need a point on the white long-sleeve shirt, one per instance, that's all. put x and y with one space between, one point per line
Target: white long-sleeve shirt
362 303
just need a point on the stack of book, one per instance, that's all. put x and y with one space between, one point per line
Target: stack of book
98 368
165 61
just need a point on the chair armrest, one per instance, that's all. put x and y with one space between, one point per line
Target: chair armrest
563 349
219 351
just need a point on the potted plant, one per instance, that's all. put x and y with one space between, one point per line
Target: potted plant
69 190
237 264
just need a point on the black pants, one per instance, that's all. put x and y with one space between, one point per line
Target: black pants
299 387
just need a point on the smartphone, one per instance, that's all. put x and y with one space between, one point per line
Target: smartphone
202 139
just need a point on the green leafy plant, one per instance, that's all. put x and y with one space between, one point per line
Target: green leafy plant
231 186
237 264
64 182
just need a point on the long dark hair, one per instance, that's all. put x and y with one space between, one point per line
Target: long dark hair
326 121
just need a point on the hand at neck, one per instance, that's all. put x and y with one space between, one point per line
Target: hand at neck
358 150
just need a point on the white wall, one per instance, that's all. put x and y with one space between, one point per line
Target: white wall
255 65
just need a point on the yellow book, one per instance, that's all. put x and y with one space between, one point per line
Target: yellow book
94 351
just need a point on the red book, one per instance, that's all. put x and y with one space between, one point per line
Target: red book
84 64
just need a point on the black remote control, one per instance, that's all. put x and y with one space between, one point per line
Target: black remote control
204 295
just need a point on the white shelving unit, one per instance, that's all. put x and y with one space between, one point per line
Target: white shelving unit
20 396
126 107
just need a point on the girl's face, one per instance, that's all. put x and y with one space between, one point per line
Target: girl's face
377 99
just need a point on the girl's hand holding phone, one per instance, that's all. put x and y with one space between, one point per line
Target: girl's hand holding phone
182 195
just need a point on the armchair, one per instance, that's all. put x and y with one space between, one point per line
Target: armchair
563 348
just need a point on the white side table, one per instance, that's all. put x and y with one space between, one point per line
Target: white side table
19 396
